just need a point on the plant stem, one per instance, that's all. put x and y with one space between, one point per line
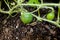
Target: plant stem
50 8
44 4
10 11
36 10
0 4
5 12
39 13
39 18
7 4
58 15
39 10
41 1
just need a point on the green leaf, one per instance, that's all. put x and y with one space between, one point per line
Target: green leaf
33 2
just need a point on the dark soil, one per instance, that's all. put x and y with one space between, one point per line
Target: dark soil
11 28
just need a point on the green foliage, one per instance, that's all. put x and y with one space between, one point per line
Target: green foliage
26 17
33 2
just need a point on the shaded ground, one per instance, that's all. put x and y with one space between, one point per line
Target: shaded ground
13 29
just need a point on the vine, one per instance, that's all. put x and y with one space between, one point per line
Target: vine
39 6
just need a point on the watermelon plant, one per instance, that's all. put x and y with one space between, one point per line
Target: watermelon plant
27 17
